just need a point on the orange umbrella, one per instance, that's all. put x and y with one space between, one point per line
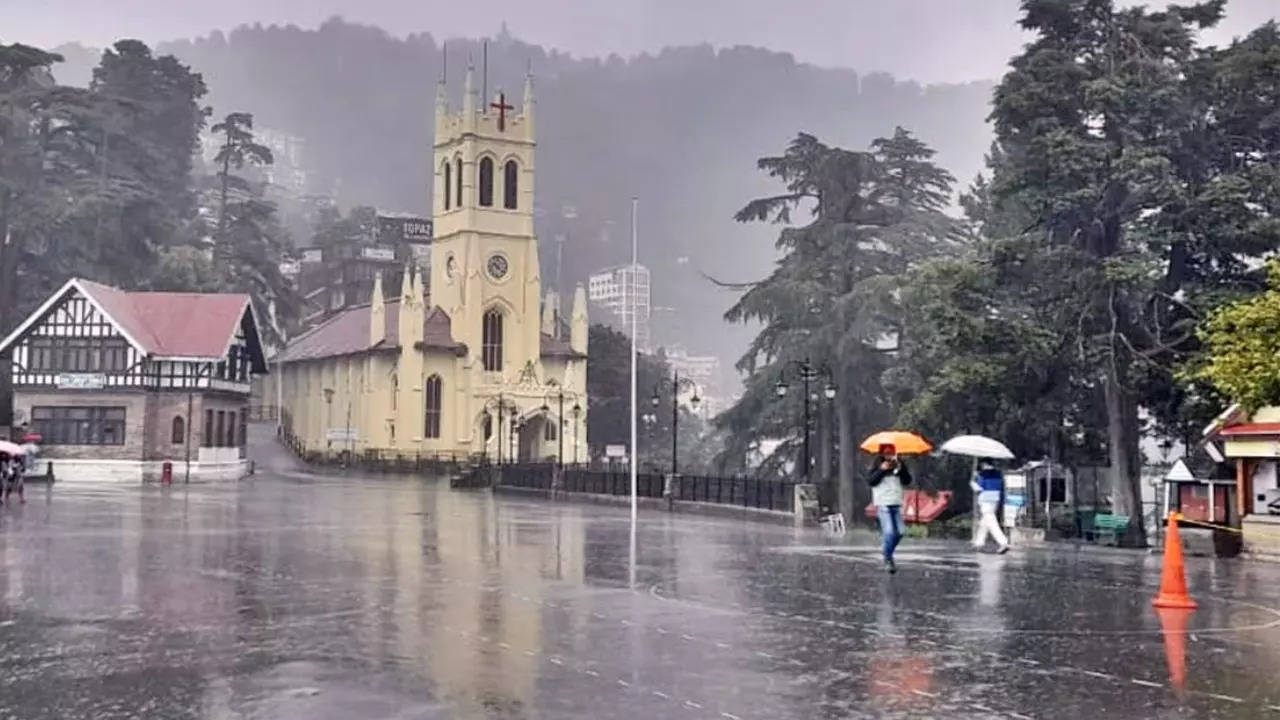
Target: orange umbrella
906 443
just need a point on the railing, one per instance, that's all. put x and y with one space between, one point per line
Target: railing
374 461
262 413
742 492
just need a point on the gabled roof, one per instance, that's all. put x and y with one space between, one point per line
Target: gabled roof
347 333
164 325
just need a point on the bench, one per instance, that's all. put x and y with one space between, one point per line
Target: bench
1108 526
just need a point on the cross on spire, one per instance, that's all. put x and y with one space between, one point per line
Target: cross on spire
502 107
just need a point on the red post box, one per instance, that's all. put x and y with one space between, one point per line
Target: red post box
166 473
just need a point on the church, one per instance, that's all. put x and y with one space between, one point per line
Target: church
467 358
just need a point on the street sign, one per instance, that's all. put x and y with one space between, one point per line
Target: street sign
377 252
1180 473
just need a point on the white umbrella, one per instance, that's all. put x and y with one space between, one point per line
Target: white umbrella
977 446
10 448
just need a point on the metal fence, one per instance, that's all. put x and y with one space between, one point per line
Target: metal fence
742 492
374 461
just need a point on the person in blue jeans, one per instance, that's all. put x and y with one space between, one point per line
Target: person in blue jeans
888 479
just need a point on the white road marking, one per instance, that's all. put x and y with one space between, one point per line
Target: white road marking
592 673
922 693
1095 673
659 693
685 637
729 716
530 653
663 631
723 646
1228 698
692 704
556 661
624 683
1145 683
764 654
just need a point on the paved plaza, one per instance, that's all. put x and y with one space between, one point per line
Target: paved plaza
297 596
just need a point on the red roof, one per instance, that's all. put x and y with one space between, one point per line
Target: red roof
194 325
1248 429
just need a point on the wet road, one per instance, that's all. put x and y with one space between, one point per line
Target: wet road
294 596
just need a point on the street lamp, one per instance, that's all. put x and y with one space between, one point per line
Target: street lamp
577 416
807 374
676 384
559 395
498 406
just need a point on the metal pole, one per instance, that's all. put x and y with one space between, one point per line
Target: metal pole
675 420
635 203
560 431
350 440
804 373
498 438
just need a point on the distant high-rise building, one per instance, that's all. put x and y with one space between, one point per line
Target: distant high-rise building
620 290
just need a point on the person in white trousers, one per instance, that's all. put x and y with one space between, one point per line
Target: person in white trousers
988 484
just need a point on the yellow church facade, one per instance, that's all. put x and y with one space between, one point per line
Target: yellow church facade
467 358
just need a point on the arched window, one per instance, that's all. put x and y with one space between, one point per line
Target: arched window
457 172
434 393
448 184
549 429
486 422
491 341
486 182
510 185
179 431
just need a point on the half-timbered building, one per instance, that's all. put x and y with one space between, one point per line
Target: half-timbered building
120 383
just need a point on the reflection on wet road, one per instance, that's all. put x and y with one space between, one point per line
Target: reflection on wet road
294 596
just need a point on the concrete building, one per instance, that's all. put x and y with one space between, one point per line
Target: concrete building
120 383
618 290
466 368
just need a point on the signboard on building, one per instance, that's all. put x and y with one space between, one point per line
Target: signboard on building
341 435
396 229
378 252
81 381
421 253
313 255
615 451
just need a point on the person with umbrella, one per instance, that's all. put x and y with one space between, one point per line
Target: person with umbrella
888 478
989 484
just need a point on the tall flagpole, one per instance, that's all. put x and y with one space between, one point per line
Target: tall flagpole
635 203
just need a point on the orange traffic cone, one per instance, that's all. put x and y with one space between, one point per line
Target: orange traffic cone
1173 622
1173 579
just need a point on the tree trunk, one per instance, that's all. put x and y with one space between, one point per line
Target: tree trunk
1122 444
9 253
851 494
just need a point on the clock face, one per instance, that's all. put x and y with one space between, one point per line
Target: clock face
497 266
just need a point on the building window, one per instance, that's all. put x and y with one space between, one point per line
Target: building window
208 428
491 342
232 428
244 427
549 433
395 392
434 393
219 436
79 425
486 182
179 431
448 183
457 172
510 185
48 354
486 424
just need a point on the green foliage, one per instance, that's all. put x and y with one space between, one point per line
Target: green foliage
1242 344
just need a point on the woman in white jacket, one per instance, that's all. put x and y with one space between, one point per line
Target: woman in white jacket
989 484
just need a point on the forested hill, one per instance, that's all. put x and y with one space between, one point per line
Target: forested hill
682 130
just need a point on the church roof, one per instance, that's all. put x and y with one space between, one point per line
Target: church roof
347 333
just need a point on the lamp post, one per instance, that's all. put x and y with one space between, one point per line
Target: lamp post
497 406
328 419
676 384
807 374
577 420
559 395
650 420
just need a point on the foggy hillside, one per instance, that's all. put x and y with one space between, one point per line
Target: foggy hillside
682 130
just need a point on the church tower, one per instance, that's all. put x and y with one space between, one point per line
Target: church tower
484 264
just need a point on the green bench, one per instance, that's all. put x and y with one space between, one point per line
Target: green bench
1106 527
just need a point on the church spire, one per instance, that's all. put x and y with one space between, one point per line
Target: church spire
469 94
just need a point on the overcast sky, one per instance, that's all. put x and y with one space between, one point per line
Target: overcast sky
926 40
